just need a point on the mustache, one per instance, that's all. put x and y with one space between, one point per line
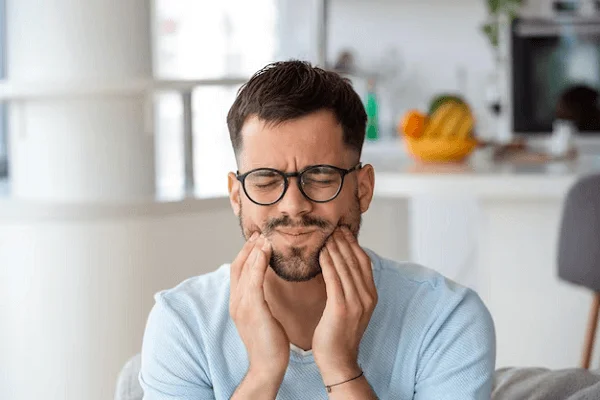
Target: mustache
305 221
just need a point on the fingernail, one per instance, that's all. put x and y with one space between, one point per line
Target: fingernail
254 236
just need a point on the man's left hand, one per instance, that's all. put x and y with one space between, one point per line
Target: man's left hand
351 299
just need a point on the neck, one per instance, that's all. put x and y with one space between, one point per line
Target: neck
295 295
297 305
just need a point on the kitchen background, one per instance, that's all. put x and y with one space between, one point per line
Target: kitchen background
109 197
416 49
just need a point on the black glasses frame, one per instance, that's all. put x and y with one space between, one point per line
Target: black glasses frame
286 181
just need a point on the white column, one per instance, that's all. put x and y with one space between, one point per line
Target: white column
93 147
72 297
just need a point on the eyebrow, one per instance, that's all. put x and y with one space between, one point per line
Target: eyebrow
319 168
265 172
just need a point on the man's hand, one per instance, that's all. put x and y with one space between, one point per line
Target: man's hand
351 299
264 337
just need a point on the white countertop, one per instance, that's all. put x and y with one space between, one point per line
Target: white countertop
399 176
16 210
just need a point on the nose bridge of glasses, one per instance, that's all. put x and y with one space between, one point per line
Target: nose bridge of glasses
294 182
293 200
296 174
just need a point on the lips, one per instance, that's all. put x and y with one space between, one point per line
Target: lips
295 232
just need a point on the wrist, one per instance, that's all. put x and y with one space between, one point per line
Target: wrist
339 372
259 383
266 376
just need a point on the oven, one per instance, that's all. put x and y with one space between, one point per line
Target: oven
555 73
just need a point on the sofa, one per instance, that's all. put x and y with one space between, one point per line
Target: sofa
509 383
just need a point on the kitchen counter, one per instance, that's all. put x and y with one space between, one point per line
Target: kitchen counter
399 176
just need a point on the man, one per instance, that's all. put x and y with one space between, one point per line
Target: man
304 312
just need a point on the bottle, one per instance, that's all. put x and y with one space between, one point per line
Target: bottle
371 109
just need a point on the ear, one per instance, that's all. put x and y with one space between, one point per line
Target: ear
234 186
366 186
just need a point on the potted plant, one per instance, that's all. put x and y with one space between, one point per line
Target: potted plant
497 11
501 13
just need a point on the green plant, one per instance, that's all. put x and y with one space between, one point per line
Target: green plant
497 8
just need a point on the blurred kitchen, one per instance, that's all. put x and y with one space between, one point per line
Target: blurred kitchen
114 153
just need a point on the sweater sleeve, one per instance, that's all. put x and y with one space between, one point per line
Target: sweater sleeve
173 365
459 352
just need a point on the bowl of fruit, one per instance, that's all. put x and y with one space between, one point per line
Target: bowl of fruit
445 134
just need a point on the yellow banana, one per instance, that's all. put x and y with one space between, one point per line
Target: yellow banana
439 117
449 128
465 128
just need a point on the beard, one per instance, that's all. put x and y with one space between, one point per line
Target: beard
301 264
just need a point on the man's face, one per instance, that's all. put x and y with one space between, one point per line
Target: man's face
297 227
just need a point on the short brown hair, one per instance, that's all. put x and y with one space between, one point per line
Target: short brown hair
286 90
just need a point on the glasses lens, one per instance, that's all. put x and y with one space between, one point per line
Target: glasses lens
321 183
264 186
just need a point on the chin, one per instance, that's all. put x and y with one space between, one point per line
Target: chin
295 264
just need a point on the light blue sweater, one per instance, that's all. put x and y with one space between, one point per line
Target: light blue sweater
428 339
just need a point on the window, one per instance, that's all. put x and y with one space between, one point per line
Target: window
199 40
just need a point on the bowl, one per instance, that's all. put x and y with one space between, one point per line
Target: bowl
431 149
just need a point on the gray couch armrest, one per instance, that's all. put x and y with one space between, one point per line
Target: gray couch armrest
544 384
128 385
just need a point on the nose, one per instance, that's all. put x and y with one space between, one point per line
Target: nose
293 202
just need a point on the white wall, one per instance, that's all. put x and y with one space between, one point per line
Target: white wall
434 40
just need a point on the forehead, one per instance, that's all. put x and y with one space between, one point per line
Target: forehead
316 138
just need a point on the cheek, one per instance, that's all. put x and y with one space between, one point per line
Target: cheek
348 212
253 217
347 203
333 212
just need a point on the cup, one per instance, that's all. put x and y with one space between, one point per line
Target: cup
563 133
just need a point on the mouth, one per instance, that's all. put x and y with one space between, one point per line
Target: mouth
295 232
295 237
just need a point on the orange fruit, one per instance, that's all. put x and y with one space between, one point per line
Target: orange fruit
413 124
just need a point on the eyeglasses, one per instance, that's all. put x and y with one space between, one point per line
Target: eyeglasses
318 183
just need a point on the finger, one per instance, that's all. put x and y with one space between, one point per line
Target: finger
258 270
333 285
236 269
247 266
238 263
241 287
353 267
342 269
364 260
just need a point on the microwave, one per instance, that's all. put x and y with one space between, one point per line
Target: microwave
555 74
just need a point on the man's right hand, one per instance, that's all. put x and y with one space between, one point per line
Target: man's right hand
265 339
